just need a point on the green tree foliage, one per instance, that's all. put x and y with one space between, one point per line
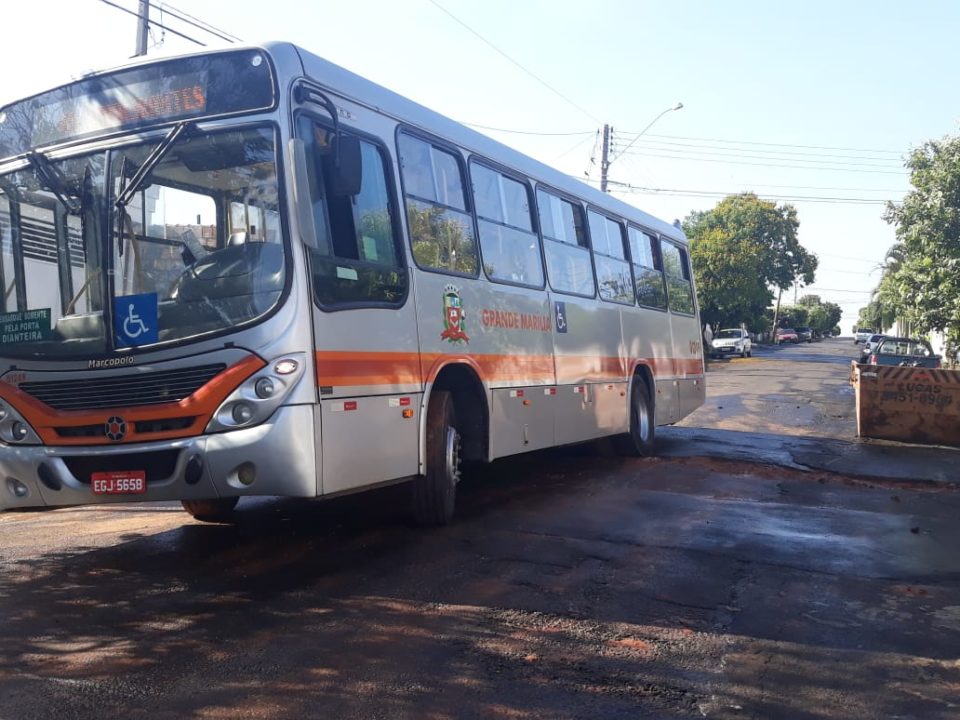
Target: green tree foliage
921 280
794 316
743 250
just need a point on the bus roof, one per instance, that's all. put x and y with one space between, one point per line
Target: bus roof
358 89
365 92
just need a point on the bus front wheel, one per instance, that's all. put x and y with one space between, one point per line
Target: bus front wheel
215 510
435 491
641 439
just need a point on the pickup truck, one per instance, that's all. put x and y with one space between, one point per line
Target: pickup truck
907 352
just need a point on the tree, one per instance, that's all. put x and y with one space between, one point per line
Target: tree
794 316
742 250
923 283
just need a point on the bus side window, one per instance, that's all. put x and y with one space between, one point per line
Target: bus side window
510 247
677 270
613 270
356 259
565 245
441 230
647 269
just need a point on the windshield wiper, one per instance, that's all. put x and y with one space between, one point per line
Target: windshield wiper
129 189
53 179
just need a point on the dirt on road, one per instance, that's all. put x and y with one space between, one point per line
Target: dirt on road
572 585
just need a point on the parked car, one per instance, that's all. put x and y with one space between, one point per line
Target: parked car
787 335
805 334
732 341
904 351
869 346
861 335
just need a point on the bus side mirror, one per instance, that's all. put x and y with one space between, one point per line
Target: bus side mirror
347 166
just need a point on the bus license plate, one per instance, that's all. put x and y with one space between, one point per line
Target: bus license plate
123 482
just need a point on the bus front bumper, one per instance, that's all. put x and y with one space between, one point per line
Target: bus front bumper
274 458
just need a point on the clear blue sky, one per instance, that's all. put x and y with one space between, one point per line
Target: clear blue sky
876 77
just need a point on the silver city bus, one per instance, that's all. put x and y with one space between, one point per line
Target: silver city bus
252 272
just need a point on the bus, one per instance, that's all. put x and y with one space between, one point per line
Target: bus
251 272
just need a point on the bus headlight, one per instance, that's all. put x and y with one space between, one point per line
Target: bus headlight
14 430
259 395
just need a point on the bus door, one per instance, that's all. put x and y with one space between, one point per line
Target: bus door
647 333
685 328
365 331
586 335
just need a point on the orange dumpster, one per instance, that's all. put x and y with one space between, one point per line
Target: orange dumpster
911 404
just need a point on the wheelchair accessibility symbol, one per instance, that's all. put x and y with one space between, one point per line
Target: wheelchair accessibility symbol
135 319
560 316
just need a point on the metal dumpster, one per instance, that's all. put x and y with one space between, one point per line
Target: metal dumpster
919 405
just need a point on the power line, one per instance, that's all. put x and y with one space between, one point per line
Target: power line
769 144
514 62
677 192
840 290
197 23
529 132
770 165
903 191
151 22
718 153
677 147
579 142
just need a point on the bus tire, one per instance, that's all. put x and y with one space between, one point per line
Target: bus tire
641 439
216 510
434 492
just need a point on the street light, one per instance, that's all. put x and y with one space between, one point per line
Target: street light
605 164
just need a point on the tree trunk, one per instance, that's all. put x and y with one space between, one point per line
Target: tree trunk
776 317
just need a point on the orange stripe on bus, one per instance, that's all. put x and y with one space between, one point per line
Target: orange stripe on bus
338 368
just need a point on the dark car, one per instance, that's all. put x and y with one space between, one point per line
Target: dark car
805 334
908 352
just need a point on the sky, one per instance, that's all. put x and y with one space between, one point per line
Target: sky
813 103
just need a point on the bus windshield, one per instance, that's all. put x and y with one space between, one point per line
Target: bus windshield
198 248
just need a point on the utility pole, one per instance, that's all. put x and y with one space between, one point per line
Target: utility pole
143 26
607 131
605 158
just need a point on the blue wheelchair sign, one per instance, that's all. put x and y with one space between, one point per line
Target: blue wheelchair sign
560 316
135 319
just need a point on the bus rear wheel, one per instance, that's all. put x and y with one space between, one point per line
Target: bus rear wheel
434 492
640 441
215 510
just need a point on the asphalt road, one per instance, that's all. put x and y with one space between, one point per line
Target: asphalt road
573 585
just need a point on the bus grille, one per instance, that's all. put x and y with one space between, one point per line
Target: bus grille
118 391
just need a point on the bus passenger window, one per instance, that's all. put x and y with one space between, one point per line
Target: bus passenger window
677 270
510 248
441 231
613 270
565 245
356 259
647 269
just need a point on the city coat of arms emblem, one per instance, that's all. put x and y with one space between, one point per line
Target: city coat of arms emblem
453 316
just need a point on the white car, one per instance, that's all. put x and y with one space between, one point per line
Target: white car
732 341
870 346
861 335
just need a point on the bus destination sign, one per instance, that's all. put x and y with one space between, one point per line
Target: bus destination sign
121 106
214 85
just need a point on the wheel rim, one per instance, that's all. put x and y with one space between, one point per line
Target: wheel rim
452 455
642 419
